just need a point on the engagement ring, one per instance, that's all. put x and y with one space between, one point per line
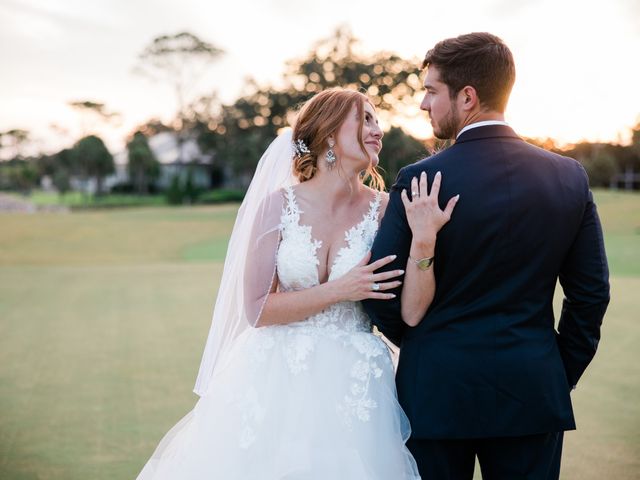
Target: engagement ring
375 287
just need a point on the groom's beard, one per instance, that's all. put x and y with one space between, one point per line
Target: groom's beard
447 128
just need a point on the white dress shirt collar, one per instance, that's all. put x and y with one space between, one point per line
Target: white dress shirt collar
481 124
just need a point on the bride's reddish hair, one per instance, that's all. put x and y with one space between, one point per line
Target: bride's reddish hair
322 116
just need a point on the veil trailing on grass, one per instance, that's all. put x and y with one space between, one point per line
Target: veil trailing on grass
250 264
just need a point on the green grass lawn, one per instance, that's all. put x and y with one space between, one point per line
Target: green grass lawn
79 201
104 314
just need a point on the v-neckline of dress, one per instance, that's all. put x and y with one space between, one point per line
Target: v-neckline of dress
374 205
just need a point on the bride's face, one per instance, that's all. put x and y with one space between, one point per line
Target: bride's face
347 147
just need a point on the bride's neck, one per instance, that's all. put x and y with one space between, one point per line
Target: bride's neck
336 187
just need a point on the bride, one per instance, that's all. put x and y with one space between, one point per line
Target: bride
293 383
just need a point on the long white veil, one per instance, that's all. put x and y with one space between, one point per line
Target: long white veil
249 267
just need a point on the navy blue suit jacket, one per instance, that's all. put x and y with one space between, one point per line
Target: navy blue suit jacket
486 359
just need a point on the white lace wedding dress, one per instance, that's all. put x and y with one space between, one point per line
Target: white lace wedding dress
311 400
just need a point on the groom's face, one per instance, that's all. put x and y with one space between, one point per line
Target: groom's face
438 104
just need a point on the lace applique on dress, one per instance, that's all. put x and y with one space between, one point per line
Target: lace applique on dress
259 355
297 350
297 261
359 240
357 404
252 413
297 265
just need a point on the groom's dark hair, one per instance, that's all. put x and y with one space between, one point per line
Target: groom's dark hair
480 60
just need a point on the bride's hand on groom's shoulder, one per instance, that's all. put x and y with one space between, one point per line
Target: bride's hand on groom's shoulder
361 282
423 212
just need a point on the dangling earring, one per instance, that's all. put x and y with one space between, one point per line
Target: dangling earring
330 157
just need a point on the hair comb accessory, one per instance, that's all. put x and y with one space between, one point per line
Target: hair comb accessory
300 148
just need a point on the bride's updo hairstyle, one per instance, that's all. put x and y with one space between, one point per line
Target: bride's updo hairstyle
322 116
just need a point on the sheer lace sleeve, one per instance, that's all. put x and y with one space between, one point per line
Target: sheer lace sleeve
260 268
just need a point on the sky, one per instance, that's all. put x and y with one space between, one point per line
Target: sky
578 74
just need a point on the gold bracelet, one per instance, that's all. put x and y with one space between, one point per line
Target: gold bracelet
424 263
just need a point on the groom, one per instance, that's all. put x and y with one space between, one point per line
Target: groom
485 373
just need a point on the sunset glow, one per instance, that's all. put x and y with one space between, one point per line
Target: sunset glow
577 75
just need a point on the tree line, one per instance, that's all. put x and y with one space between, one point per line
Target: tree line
235 135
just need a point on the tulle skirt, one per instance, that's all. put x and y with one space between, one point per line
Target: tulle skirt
290 402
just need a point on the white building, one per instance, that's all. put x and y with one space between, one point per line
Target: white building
166 149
